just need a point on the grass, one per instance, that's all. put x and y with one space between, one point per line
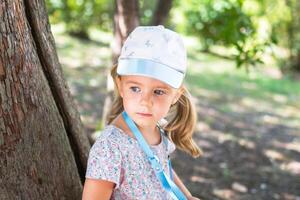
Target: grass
216 82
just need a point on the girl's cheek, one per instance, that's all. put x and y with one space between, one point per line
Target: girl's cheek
164 99
130 94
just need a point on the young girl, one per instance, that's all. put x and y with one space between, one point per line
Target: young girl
153 106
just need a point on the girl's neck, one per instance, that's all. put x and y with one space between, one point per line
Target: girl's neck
150 134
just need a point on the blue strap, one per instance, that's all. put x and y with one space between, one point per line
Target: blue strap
170 167
167 183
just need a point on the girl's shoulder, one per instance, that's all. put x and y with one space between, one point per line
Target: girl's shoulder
109 132
114 137
105 157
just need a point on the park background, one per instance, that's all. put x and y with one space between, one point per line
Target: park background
243 73
244 64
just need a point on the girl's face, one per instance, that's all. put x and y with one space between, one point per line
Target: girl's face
146 100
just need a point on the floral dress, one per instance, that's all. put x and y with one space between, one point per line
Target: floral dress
118 158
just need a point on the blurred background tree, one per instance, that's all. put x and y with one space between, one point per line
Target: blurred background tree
293 32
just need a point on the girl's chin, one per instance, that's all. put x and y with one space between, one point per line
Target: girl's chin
142 122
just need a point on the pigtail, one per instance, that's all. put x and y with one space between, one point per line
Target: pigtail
117 105
182 120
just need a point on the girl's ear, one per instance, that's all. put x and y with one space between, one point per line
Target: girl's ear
119 85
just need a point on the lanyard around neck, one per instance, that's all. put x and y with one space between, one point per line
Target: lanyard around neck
167 183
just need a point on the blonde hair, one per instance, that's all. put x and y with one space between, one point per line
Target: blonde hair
181 119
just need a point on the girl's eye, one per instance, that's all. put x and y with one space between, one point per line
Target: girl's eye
135 89
159 92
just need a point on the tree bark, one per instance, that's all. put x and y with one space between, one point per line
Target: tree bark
161 12
43 149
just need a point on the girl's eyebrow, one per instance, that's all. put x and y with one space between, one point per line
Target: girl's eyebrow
162 87
155 86
133 82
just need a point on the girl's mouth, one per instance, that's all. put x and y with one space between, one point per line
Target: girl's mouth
144 114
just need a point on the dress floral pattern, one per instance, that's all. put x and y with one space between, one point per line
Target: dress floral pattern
117 157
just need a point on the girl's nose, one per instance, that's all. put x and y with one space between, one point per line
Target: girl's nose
146 99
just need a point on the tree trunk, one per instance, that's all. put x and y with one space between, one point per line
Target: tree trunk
161 12
294 35
43 149
297 24
126 18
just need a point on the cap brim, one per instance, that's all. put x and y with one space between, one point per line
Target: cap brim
150 69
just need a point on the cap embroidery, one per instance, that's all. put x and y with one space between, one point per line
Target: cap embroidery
148 43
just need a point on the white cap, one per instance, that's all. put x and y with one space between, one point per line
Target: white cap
155 52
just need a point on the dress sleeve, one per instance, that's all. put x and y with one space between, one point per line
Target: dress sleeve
104 161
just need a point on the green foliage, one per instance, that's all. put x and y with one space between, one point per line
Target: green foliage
147 9
249 53
283 17
276 13
103 14
80 15
223 22
218 22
